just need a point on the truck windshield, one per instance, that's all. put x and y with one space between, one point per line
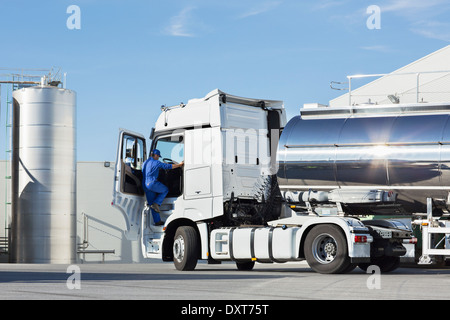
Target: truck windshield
171 147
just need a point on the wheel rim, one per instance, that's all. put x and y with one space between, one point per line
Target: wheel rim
324 248
178 248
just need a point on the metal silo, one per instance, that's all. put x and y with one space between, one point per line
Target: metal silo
43 226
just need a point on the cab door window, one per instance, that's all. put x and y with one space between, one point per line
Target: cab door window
133 157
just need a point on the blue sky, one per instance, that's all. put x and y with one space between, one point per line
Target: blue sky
131 57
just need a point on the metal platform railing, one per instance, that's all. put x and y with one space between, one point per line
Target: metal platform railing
421 86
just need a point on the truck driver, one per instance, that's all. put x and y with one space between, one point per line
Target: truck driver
155 191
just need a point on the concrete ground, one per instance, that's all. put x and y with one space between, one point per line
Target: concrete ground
161 281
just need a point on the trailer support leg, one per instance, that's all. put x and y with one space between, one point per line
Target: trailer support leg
429 227
426 236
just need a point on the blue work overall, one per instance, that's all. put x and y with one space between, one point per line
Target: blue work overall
155 191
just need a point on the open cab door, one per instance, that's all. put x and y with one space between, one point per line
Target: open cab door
128 193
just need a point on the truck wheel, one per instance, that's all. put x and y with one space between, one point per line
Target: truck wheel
185 248
245 266
326 250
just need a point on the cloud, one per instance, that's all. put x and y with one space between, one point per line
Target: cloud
326 4
262 8
433 29
180 25
425 18
377 48
411 6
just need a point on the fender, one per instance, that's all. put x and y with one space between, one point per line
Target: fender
350 227
170 228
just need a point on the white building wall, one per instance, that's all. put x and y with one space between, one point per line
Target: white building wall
104 224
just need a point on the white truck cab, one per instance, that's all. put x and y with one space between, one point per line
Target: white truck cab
225 143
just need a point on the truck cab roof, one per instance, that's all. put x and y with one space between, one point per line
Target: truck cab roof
205 112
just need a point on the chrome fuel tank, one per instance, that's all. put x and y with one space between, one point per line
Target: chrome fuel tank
406 152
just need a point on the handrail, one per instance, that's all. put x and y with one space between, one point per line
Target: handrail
112 251
102 252
417 74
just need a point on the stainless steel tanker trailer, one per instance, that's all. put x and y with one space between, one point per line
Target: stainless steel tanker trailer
404 150
258 188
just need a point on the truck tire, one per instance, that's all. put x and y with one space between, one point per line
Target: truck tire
326 250
386 264
186 248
